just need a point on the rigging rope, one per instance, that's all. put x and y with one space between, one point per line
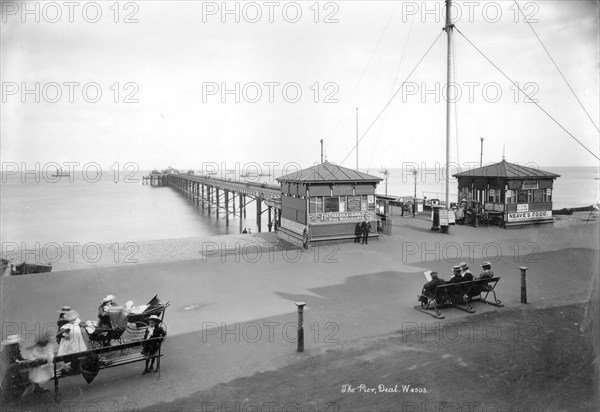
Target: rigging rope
529 97
393 86
393 96
555 65
365 69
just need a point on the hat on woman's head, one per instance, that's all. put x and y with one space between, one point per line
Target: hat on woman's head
64 309
11 340
154 317
71 315
108 298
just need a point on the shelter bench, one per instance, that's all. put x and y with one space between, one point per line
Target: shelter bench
458 295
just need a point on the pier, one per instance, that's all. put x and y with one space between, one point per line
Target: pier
222 196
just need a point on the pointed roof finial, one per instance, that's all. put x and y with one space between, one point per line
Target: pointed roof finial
503 148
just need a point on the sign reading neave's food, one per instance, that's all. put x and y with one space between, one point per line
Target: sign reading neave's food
520 216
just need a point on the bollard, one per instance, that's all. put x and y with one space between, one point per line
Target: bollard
300 326
523 284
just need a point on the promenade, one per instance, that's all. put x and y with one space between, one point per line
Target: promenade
232 316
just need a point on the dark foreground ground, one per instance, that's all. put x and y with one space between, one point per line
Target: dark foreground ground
520 359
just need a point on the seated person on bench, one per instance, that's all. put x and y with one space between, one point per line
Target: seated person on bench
456 277
465 272
455 294
429 287
487 271
74 338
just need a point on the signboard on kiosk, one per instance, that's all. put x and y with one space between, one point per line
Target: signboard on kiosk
525 216
339 217
293 226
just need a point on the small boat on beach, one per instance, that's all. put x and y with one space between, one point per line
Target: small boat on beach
28 268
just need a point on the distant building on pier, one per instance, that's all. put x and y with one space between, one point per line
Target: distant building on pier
514 194
326 200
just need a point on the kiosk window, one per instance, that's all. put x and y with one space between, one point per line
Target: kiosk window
353 204
332 204
342 203
371 201
363 203
316 205
493 195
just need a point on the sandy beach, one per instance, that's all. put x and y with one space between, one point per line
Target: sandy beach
232 316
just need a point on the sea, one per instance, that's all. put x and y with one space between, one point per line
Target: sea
116 207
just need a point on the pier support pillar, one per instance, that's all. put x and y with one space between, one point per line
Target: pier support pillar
218 201
269 224
202 195
209 197
226 206
258 212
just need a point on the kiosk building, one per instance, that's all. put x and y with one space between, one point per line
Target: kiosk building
325 202
513 194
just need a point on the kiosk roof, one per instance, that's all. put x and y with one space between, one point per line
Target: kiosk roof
328 172
507 170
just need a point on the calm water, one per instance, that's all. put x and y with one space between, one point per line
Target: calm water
105 211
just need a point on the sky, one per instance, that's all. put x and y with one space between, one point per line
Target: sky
183 84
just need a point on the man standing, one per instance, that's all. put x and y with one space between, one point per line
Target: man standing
365 233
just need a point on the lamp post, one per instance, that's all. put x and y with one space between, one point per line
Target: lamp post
415 197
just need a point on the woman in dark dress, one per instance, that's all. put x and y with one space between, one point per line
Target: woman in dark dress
14 382
155 330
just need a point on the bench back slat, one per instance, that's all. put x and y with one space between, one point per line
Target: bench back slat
114 348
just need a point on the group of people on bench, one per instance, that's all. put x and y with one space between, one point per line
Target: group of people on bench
73 337
461 273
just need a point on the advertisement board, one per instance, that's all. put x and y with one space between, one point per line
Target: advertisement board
340 217
525 216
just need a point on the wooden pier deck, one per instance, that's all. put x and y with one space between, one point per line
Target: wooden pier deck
220 195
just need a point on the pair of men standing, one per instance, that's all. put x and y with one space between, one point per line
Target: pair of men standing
361 232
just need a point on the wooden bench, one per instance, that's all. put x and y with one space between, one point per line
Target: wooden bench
103 356
458 295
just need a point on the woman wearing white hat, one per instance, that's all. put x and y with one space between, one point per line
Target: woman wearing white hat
74 335
103 316
13 382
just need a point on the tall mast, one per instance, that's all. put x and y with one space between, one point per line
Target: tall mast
448 28
357 139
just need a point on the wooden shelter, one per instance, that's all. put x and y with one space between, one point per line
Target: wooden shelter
326 201
514 194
